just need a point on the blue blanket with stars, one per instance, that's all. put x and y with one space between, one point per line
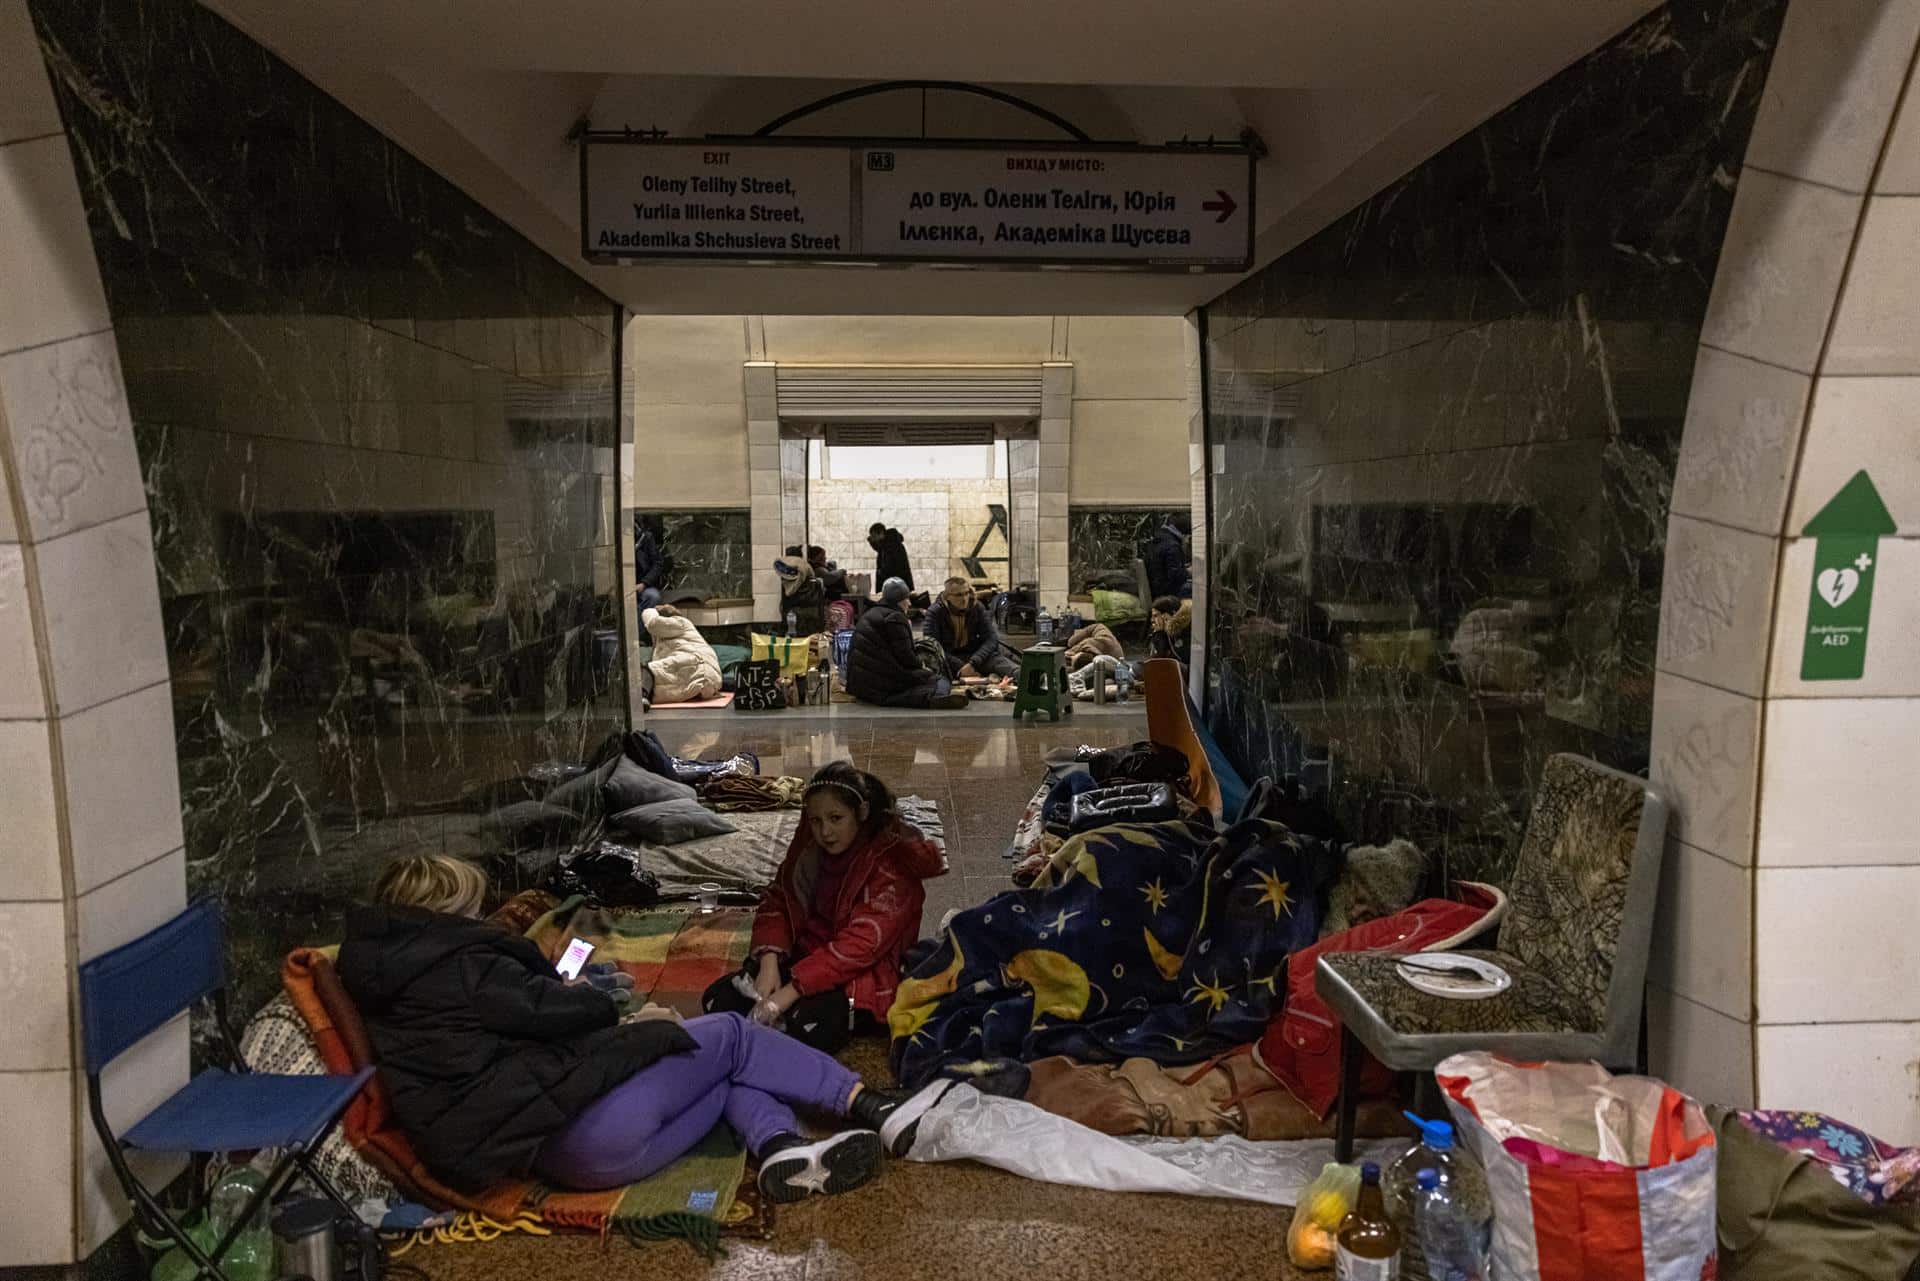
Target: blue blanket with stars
1166 941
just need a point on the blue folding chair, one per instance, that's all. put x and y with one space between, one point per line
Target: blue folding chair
134 989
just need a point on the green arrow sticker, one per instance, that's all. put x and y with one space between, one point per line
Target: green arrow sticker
1846 558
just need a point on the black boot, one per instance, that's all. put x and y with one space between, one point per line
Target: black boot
895 1113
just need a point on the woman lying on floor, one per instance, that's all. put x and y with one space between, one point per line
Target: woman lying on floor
496 1067
838 919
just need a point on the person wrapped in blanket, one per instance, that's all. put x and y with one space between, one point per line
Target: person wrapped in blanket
836 923
496 1067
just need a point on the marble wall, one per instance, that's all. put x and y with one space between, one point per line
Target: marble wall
709 551
1443 435
1107 540
377 432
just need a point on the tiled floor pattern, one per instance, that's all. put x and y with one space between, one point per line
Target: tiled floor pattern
960 1221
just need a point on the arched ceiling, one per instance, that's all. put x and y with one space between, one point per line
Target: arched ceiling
1346 94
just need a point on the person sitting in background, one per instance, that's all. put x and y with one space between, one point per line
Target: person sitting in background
1169 562
802 594
497 1068
1172 629
684 668
1090 642
964 629
835 924
882 667
890 555
833 579
651 564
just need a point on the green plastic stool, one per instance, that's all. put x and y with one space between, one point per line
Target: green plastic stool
1043 683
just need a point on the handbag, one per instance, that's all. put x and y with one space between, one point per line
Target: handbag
1127 803
758 687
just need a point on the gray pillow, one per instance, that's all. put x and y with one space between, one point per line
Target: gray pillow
630 786
670 822
532 823
582 795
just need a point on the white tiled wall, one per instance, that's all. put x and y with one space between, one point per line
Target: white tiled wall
92 793
1781 966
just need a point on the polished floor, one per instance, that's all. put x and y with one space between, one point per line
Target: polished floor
960 1221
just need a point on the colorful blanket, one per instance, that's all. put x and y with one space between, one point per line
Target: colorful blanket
1878 1173
1164 941
672 955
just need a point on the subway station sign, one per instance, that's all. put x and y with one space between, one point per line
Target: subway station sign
998 204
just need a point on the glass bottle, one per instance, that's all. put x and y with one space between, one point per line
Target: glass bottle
1369 1244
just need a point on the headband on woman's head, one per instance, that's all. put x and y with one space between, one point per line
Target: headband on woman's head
859 797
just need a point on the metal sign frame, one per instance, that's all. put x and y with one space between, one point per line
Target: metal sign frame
856 149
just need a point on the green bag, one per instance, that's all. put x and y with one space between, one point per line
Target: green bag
1783 1218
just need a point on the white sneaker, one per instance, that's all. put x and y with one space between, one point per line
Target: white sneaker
795 1169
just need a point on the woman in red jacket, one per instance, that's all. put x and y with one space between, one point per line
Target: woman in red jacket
839 916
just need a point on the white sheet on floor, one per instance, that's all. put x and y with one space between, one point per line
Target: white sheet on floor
1016 1136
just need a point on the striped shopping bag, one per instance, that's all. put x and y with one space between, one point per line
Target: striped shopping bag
1594 1177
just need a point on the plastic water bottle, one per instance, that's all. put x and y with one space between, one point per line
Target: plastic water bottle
251 1256
1448 1241
1043 627
1459 1176
793 624
1123 681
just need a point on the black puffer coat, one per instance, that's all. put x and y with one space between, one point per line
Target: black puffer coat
484 1050
882 667
890 561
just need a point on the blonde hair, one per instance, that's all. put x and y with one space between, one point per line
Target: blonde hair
436 882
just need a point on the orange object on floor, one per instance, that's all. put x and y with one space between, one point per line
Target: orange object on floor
1169 726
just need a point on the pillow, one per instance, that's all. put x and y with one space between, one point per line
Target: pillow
582 795
630 786
532 823
670 822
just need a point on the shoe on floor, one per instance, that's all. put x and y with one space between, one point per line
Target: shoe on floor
950 702
792 1168
897 1116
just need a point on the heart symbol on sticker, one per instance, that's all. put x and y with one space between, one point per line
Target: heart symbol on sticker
1836 585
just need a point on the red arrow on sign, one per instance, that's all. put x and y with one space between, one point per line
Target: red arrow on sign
1225 205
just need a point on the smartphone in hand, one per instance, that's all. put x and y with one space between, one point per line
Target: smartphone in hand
574 959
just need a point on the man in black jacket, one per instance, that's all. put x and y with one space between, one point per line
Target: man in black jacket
882 667
890 552
966 634
651 563
1169 565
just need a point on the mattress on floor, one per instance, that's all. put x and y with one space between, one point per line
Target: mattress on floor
747 857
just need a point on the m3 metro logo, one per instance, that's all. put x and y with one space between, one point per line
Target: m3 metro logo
879 162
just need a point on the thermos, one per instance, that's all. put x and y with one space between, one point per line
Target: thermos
303 1244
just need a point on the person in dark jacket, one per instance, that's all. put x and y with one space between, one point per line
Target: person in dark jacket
882 667
1169 566
496 1067
890 551
651 564
967 638
1170 633
831 576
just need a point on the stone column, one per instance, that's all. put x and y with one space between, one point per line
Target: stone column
1197 479
763 485
89 785
1056 434
1785 942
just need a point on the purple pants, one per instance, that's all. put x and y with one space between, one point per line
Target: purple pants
741 1071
